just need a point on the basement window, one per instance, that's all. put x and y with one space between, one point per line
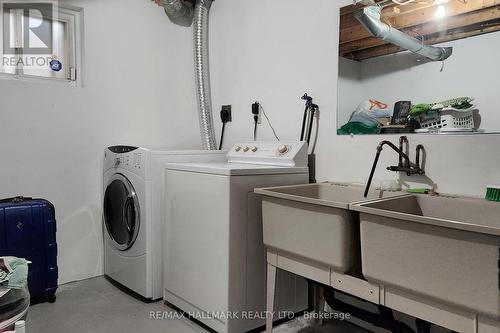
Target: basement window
40 41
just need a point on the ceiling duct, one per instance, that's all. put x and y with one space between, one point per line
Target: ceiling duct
369 17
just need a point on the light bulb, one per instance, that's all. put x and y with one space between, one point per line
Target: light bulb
440 12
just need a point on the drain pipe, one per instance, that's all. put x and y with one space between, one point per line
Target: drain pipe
202 73
369 17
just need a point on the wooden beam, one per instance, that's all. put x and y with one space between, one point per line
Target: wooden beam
424 30
349 21
437 39
419 17
351 8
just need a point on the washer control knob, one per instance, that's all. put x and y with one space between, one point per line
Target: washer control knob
237 149
254 149
246 149
117 162
283 149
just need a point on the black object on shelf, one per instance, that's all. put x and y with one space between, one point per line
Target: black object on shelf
400 121
401 113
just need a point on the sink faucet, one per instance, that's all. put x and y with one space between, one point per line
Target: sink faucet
405 165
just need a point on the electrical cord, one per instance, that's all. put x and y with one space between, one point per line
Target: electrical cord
222 135
269 122
256 109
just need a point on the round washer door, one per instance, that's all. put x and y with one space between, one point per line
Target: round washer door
121 212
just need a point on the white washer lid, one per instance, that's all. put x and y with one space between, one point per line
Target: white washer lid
235 169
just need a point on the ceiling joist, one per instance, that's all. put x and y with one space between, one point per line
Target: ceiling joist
462 18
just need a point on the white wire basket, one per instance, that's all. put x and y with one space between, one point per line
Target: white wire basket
448 120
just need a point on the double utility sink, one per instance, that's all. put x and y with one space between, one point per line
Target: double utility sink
437 250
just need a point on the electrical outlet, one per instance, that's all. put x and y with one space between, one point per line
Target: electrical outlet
227 108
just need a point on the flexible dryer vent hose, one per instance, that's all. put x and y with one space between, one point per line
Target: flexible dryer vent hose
202 73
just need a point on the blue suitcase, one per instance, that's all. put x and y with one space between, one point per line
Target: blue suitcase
28 230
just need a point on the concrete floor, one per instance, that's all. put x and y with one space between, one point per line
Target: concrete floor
97 306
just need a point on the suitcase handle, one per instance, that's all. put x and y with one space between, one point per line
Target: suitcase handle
15 199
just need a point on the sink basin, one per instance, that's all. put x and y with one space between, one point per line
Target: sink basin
467 214
442 249
314 222
326 194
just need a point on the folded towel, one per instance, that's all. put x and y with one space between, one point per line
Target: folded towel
13 272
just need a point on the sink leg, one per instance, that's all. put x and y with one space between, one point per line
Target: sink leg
319 302
386 313
271 288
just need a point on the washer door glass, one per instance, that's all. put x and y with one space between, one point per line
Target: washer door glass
121 212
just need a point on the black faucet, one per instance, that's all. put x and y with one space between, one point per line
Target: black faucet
405 165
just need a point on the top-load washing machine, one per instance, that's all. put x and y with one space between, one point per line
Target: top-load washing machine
133 213
215 266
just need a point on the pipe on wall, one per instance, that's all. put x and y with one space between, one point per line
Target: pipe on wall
369 17
202 73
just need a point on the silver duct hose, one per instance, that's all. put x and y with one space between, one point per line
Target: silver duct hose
202 73
179 11
369 17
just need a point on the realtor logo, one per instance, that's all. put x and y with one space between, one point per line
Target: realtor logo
27 26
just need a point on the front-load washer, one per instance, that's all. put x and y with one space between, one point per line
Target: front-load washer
215 265
133 213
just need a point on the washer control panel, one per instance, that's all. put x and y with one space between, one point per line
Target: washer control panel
280 153
130 159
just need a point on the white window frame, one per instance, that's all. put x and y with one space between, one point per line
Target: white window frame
73 18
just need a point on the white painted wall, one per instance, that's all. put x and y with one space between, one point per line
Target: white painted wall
138 90
276 50
401 76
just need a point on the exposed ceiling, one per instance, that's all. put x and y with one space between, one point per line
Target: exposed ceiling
434 21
